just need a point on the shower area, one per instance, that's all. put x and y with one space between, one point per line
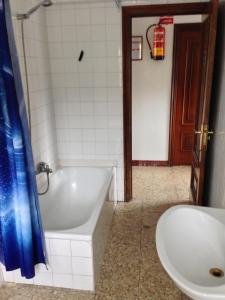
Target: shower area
71 68
74 106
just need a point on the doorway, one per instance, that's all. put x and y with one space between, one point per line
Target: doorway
146 11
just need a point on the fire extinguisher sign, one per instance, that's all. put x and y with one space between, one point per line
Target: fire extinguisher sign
166 20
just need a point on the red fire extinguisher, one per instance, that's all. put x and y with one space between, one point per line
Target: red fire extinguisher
159 35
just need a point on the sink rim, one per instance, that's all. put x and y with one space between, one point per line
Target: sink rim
186 285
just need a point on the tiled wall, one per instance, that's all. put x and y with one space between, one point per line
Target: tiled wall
42 123
87 94
70 265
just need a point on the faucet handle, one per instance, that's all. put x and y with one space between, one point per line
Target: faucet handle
43 167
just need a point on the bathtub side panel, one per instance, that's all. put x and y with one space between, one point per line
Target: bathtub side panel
101 234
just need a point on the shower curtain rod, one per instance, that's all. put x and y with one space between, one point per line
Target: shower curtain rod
118 2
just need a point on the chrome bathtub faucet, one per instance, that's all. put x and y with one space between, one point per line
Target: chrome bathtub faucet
43 167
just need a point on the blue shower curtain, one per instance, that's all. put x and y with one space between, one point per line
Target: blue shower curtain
21 234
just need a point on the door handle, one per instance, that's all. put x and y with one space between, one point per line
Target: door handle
205 136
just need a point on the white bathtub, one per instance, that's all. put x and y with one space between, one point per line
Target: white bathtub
76 216
79 194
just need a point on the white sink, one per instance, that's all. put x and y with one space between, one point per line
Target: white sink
190 241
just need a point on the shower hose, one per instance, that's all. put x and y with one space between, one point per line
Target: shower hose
28 99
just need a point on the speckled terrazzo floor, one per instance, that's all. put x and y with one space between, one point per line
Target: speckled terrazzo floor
131 269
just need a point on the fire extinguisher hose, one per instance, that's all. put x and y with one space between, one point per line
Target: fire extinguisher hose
150 47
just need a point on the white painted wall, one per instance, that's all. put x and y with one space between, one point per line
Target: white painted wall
151 94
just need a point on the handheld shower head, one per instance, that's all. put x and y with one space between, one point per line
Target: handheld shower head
44 3
47 3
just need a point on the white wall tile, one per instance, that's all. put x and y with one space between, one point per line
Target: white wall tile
98 33
113 15
114 122
101 135
101 108
69 34
60 264
114 65
114 94
81 248
87 108
115 135
100 94
88 135
43 279
86 94
55 50
75 122
83 282
113 48
98 15
60 247
100 79
82 17
101 148
115 108
55 34
68 17
88 148
99 49
86 80
71 94
63 280
7 275
99 65
70 50
101 122
85 66
82 266
53 18
114 79
83 33
113 32
57 65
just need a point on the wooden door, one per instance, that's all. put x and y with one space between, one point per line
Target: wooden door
185 91
202 132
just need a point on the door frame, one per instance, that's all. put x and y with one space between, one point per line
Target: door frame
129 12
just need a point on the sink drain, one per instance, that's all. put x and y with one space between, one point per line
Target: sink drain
216 272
